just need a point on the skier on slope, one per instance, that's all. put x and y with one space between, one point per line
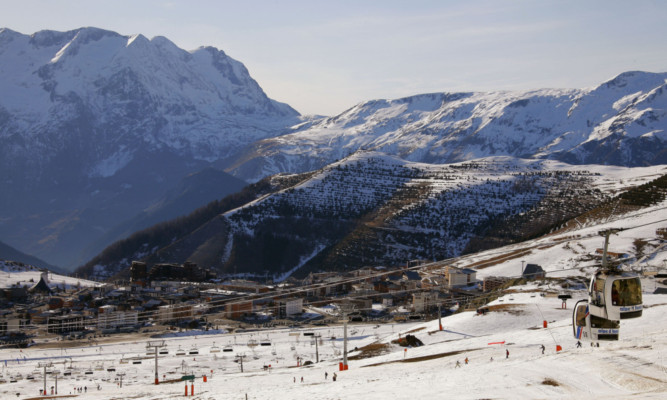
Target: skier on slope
542 349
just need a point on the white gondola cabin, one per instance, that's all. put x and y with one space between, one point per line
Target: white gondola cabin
586 326
615 295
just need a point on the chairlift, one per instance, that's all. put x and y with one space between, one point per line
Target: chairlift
214 349
180 351
265 342
227 349
193 350
163 351
252 343
586 326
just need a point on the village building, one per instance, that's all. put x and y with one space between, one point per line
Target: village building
289 307
457 277
533 271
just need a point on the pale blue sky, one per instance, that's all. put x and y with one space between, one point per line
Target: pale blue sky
322 57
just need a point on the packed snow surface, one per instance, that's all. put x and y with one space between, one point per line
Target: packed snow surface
633 366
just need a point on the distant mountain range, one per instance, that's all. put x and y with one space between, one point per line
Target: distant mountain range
103 135
621 122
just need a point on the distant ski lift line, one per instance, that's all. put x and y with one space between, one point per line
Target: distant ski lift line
436 263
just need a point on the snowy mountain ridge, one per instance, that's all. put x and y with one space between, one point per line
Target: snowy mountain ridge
112 76
374 209
96 126
620 122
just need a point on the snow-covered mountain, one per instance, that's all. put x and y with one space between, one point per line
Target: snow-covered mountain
95 126
621 122
98 129
374 209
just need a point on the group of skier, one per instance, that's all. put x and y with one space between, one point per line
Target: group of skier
326 375
507 355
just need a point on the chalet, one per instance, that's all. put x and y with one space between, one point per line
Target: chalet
41 287
532 272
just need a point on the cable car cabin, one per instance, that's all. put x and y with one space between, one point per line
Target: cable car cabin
586 326
615 296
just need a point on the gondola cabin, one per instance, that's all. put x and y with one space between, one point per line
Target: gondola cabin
586 326
615 296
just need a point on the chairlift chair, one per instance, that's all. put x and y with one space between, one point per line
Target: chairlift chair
214 349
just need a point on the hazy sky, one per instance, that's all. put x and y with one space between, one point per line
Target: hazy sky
322 57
